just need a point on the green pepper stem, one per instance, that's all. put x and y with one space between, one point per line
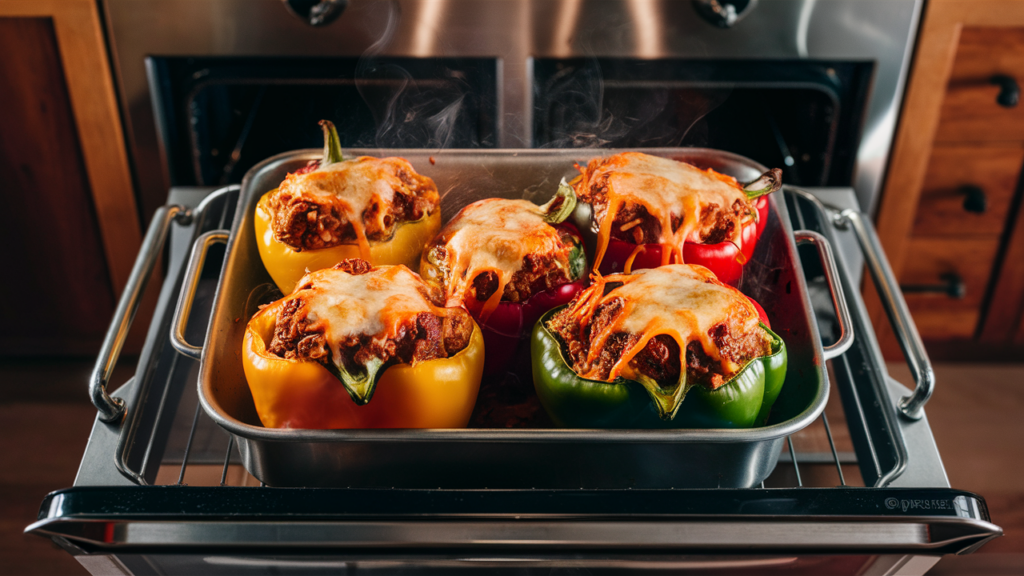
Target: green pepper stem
359 386
777 342
561 204
577 262
766 183
332 144
666 401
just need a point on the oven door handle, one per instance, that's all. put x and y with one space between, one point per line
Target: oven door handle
835 288
188 291
896 308
112 410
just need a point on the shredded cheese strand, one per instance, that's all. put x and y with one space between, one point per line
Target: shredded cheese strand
667 189
689 302
494 235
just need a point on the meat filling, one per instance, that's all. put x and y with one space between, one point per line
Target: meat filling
634 224
312 222
659 359
423 337
539 272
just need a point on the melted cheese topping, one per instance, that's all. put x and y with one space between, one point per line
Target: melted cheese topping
667 189
375 304
493 235
682 301
353 186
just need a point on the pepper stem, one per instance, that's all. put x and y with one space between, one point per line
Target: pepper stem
359 386
561 204
666 401
766 183
577 262
332 144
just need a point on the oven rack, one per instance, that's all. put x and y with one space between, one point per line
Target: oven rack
168 479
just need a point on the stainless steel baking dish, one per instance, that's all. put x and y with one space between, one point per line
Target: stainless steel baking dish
507 458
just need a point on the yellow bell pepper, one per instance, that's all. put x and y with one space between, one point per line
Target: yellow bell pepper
287 266
437 393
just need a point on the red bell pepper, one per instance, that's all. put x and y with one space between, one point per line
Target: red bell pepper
760 312
510 322
725 259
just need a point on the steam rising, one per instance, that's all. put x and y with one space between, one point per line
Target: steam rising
410 113
578 108
415 114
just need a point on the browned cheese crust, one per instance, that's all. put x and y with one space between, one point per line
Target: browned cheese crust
314 209
659 359
423 337
539 273
633 223
497 245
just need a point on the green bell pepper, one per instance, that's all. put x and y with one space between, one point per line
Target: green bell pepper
574 402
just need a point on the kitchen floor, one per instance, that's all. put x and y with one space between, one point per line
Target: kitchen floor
976 416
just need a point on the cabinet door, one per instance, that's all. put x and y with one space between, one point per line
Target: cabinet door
71 229
58 292
955 132
1003 325
971 110
969 191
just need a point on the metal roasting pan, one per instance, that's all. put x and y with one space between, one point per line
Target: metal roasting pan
508 458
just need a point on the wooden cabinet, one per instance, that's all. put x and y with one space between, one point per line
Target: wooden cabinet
932 261
951 207
970 109
968 190
71 229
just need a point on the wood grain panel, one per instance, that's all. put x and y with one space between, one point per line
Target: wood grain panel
939 315
934 56
1004 318
90 86
53 252
970 111
934 320
994 170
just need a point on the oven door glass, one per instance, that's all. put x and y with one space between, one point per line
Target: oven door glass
802 116
218 117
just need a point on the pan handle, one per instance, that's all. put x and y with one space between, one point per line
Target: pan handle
112 409
828 264
188 292
896 308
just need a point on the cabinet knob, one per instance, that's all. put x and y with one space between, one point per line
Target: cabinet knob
1009 91
952 285
974 198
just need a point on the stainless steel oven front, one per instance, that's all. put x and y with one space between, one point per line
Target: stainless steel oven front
571 73
209 89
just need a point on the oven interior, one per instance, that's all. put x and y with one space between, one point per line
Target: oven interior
217 117
802 116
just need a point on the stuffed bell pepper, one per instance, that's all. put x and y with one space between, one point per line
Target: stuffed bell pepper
356 346
377 209
655 211
508 262
666 347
